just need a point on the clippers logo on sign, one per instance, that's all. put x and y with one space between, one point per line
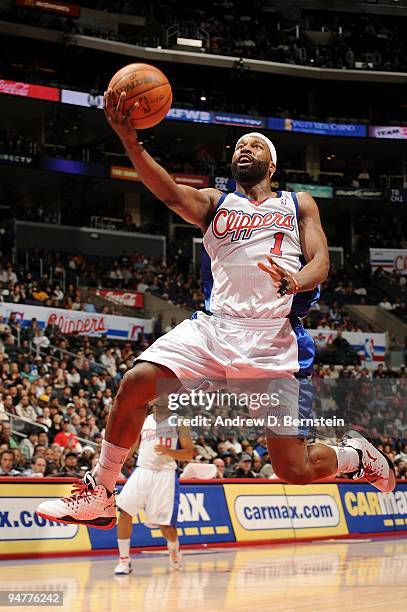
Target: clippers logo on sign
242 225
86 325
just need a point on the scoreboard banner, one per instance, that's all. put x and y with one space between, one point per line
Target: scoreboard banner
389 260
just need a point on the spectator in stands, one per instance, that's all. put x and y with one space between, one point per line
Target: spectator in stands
220 467
261 446
37 469
29 443
173 323
386 304
341 344
40 340
158 326
203 449
267 469
65 438
70 468
244 468
25 410
7 464
379 372
6 436
232 445
108 360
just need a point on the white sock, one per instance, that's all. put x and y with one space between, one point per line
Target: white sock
124 548
348 458
109 464
173 545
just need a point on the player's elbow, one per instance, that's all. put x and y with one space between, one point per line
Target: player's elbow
175 199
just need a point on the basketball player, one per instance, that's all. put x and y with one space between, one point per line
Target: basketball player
153 486
254 331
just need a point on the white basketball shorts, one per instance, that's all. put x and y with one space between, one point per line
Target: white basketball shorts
156 493
208 352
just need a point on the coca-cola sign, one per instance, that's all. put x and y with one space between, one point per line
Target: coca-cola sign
131 299
28 90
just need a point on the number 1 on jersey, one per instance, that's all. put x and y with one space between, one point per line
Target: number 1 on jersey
276 250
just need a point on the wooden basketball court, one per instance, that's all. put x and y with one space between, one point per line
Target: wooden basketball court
349 575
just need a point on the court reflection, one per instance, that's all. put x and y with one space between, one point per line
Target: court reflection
283 577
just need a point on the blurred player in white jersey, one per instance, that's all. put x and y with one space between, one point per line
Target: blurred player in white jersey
153 486
265 256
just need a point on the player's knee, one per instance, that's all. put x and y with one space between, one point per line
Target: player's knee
133 384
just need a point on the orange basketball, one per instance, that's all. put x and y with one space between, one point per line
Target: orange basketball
149 87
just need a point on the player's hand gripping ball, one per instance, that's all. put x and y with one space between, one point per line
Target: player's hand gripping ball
138 92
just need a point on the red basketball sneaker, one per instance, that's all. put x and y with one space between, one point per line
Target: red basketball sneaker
89 504
374 465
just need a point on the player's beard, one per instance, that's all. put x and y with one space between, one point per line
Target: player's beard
251 175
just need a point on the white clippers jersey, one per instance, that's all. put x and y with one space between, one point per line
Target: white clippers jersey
156 432
242 233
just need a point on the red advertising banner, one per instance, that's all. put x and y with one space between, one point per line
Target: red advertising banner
132 299
27 90
125 173
51 6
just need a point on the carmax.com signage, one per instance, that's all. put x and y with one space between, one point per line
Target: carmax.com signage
256 512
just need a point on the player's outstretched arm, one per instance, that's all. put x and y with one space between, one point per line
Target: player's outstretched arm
193 205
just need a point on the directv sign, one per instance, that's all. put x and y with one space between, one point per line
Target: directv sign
16 158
